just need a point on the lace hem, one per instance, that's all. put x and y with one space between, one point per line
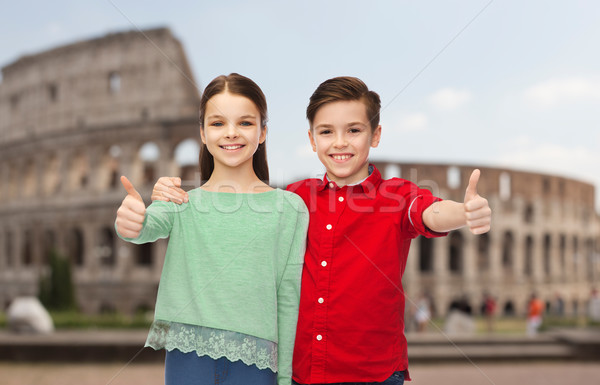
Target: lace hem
215 343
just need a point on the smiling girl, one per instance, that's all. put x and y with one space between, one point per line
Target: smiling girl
228 298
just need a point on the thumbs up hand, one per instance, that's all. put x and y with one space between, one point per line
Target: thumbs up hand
131 213
477 210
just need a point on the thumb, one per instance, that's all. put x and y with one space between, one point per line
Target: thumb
130 189
472 187
176 181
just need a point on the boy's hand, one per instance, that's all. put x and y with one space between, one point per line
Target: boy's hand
131 213
169 189
477 210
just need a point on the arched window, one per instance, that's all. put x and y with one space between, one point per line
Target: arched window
483 252
528 268
425 254
144 254
149 155
453 177
505 186
456 252
75 247
27 248
547 254
507 251
106 247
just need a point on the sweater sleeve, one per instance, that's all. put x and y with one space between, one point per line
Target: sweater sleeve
158 223
288 296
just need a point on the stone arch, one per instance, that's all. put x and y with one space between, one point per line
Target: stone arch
508 244
547 254
27 250
425 254
455 252
483 252
51 177
145 254
79 171
148 157
8 249
108 172
589 258
75 249
29 179
528 261
505 186
106 247
187 155
529 213
49 244
562 254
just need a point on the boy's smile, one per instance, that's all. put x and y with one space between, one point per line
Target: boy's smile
341 136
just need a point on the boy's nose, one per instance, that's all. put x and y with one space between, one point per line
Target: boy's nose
340 141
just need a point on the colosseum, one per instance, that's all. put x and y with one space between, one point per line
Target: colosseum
75 118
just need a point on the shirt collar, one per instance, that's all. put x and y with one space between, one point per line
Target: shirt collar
367 185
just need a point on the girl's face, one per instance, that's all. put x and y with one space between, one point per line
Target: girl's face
232 130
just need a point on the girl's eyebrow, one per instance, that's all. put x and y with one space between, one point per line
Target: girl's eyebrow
216 116
249 116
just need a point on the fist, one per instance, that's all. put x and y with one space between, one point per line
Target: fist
478 213
131 213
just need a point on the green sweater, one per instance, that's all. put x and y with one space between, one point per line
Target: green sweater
233 262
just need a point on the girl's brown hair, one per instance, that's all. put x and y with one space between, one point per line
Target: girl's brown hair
243 86
344 88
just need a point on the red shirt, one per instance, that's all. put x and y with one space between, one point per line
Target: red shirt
351 321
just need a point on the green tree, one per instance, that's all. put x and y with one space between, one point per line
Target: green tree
56 288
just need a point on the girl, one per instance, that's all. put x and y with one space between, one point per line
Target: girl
228 297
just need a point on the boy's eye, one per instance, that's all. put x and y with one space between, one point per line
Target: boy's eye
325 132
354 130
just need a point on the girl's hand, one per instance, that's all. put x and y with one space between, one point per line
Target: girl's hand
131 213
477 209
169 189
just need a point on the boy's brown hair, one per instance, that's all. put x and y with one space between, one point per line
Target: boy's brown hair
344 88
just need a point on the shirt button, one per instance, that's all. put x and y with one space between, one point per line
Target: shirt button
328 227
324 263
331 184
341 199
319 337
321 300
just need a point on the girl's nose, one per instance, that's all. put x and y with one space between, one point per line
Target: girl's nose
231 131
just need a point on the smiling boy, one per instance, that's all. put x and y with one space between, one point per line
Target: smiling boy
351 319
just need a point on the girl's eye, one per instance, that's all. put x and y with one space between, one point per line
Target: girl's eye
246 123
217 124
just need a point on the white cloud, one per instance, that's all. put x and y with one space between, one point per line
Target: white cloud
449 99
407 122
572 162
567 90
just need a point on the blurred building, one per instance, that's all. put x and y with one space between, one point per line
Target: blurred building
72 121
545 238
75 118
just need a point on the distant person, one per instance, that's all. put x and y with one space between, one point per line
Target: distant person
558 305
594 306
422 313
489 311
535 310
351 321
229 292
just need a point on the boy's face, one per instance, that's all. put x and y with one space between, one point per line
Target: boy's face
342 137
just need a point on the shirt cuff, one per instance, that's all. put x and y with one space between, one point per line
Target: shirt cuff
415 215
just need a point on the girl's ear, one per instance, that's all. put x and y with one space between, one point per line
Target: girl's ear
263 135
202 137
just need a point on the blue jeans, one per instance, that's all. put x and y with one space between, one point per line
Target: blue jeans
397 378
189 369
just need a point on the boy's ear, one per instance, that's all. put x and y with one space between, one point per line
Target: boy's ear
312 140
376 137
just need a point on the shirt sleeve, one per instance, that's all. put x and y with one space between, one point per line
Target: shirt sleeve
419 201
158 223
288 296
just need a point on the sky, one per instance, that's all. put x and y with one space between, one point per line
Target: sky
501 83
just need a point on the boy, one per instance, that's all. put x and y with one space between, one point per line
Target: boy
351 321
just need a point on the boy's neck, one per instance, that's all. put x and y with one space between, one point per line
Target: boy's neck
351 180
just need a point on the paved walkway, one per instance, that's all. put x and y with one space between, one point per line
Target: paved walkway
536 373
